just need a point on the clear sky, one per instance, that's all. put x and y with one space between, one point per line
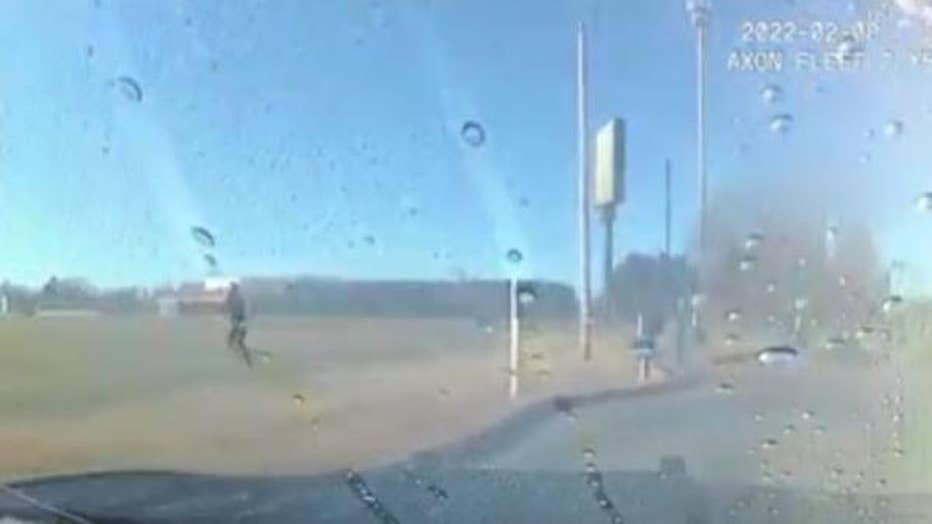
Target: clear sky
323 137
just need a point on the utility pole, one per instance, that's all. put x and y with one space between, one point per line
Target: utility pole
608 261
514 340
582 130
699 14
668 208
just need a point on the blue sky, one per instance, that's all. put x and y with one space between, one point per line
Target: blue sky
323 137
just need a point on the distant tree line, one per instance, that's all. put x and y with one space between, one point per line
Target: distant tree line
480 299
473 298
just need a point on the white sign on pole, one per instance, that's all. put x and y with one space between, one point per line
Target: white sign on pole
609 178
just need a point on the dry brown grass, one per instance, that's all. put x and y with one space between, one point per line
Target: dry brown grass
113 393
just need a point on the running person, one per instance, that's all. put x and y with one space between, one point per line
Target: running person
235 308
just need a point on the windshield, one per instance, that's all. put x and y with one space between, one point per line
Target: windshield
465 261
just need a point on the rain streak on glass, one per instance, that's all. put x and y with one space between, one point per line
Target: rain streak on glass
129 88
473 133
781 123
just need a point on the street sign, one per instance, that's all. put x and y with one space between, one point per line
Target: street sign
609 179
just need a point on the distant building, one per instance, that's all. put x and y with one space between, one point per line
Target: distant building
195 298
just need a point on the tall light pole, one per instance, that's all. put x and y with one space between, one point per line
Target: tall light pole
582 129
699 15
667 208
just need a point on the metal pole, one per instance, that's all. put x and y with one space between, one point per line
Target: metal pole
699 13
582 152
700 136
668 209
608 262
514 341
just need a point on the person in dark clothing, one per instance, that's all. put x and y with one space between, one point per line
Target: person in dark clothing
235 308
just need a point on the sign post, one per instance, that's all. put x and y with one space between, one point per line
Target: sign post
608 192
514 339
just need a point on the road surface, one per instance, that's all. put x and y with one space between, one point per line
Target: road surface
743 443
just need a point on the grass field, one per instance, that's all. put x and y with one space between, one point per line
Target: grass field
79 394
912 328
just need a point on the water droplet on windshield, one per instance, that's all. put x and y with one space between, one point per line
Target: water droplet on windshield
758 417
725 388
527 295
923 203
771 287
473 133
731 339
210 260
697 300
800 303
789 429
818 430
753 241
588 454
893 129
769 443
777 355
747 263
864 158
298 399
772 94
781 123
203 236
733 315
514 256
369 239
129 88
835 343
848 47
564 405
891 303
808 414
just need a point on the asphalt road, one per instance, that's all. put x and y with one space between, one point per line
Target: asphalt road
747 443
